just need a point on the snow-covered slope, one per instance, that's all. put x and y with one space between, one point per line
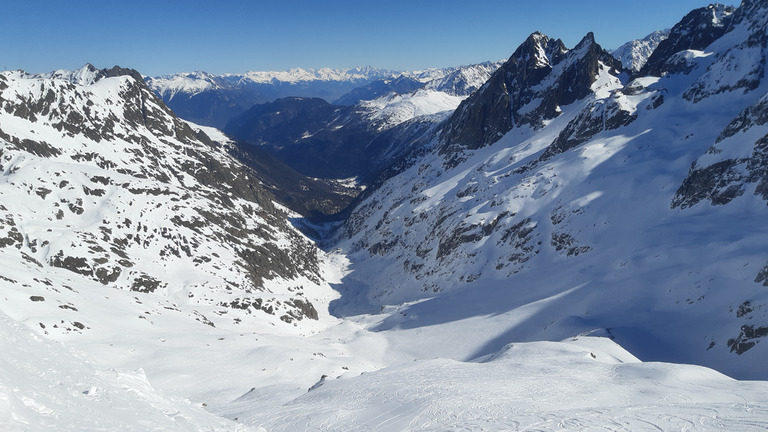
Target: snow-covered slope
580 384
393 109
104 188
463 80
634 54
579 208
45 386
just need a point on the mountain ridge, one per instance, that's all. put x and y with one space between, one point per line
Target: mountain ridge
582 187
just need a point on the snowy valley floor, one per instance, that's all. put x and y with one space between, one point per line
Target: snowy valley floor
168 376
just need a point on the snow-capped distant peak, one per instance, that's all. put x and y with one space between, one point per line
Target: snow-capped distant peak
88 74
323 74
191 83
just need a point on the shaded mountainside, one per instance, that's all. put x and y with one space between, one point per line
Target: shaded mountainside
579 198
322 140
103 186
695 31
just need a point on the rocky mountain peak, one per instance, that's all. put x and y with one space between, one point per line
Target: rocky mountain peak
754 14
539 50
539 77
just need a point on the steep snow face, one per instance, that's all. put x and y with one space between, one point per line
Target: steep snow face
86 75
579 221
634 54
105 189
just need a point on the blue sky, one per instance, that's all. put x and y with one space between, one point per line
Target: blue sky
233 36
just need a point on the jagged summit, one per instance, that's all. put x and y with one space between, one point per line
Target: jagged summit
89 74
541 76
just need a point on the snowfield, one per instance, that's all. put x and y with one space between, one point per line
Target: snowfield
580 384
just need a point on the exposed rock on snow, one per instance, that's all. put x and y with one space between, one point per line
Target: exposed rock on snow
102 182
527 91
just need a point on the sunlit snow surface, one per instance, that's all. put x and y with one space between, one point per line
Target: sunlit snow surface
582 384
45 386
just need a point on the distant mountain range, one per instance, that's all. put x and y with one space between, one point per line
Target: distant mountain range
212 100
326 140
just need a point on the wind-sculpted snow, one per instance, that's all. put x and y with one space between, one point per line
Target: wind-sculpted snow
589 209
103 184
581 384
45 386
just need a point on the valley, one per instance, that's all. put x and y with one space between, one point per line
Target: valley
570 239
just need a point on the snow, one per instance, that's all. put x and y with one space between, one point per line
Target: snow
393 109
296 75
45 386
634 54
584 383
185 83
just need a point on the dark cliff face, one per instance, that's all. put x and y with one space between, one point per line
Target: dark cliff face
695 31
539 78
737 162
725 179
